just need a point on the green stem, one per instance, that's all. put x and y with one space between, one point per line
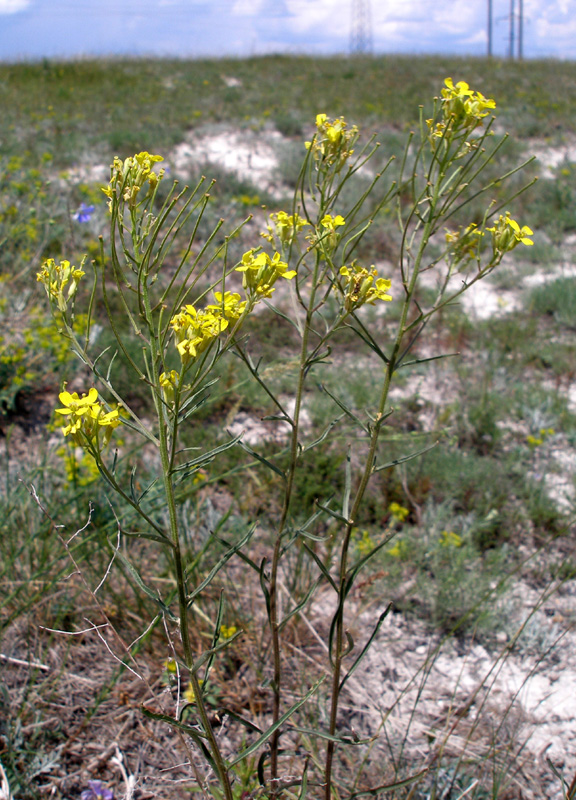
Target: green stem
167 460
274 621
366 475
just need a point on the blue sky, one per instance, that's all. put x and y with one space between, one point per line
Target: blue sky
194 28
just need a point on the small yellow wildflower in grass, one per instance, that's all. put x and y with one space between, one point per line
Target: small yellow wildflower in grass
534 441
171 666
398 512
79 471
366 543
507 234
450 539
56 277
363 286
261 273
189 694
399 550
228 631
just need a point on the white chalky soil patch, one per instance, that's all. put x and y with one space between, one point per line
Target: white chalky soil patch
248 154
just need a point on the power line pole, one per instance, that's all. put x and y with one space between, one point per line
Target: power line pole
489 28
512 29
520 29
361 27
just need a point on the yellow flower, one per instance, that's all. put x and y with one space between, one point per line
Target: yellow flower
127 177
261 273
56 277
332 145
450 539
168 382
331 223
464 108
366 544
363 286
197 330
507 234
228 304
170 666
398 550
286 227
190 694
86 415
227 632
398 512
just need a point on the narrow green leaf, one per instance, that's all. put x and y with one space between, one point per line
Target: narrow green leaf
366 647
242 720
195 734
333 513
424 360
261 459
403 459
273 728
328 737
347 486
345 408
389 786
221 563
141 585
324 434
321 567
206 457
265 590
301 604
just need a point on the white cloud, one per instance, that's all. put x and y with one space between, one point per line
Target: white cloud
247 8
13 6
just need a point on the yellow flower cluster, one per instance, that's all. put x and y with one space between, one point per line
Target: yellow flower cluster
85 416
127 177
450 539
261 273
285 227
463 109
60 277
197 329
397 512
333 142
507 234
363 286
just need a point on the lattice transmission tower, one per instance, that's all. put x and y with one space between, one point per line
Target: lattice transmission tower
361 27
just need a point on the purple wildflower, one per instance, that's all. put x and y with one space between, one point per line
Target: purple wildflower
84 213
96 791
